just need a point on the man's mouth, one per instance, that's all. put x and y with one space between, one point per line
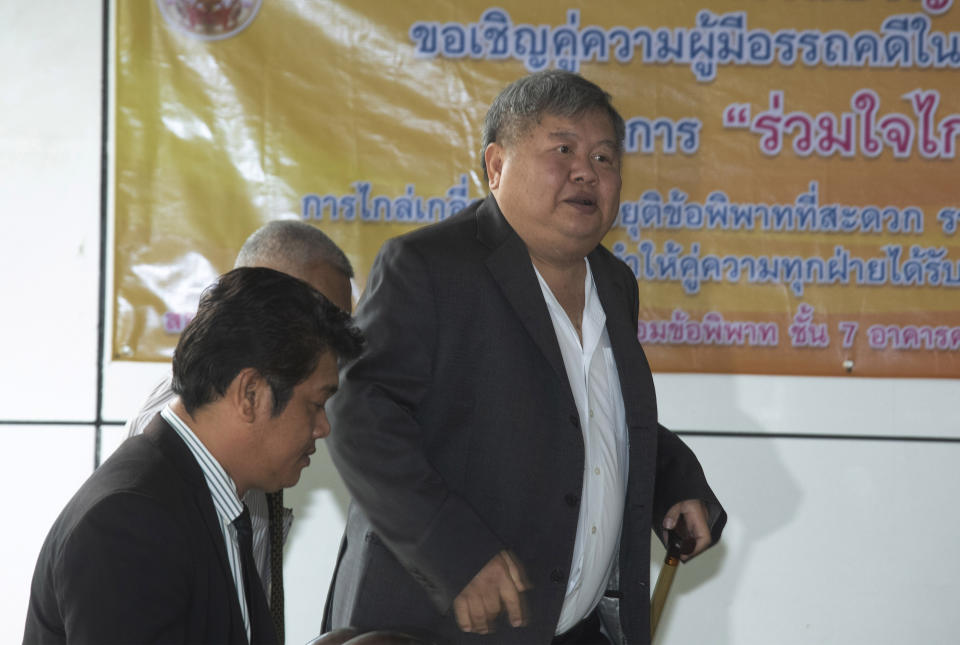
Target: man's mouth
582 202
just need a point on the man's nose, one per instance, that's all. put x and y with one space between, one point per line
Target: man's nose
322 429
583 171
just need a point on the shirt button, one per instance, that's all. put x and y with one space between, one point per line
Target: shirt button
594 530
591 413
596 470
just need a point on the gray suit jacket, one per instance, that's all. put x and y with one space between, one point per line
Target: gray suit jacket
137 556
458 436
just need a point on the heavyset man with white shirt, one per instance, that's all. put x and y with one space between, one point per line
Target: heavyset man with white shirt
499 435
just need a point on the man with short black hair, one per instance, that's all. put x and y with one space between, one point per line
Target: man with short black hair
303 251
155 546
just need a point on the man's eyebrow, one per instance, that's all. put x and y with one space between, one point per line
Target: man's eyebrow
563 134
329 390
568 134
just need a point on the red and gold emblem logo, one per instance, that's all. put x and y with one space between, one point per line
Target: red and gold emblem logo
209 19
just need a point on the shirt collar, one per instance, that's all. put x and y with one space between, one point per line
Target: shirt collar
223 490
594 318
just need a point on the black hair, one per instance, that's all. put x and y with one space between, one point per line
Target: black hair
264 319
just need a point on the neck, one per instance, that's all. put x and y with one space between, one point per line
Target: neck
566 282
210 429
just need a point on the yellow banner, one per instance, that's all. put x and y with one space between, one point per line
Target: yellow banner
788 204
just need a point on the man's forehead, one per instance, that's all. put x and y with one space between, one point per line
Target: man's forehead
326 375
561 133
570 126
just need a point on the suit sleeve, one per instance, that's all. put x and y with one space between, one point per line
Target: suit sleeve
122 576
679 476
378 442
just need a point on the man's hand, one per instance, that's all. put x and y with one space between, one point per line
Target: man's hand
695 515
498 585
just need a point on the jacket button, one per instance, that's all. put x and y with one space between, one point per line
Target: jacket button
575 420
557 575
571 499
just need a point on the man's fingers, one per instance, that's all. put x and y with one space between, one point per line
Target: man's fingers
694 514
498 586
512 599
482 609
670 519
697 525
462 614
517 574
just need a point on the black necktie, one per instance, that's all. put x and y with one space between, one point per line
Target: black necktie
261 627
275 515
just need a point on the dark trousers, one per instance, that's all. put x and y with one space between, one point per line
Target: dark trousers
586 632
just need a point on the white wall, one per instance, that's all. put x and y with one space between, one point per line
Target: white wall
836 540
49 244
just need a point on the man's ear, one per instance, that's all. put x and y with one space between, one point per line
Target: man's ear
493 158
247 392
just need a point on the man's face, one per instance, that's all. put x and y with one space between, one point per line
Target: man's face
286 441
559 184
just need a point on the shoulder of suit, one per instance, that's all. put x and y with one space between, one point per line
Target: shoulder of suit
144 465
461 220
450 238
118 488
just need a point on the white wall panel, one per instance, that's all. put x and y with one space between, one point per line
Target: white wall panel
830 542
40 469
49 208
127 385
806 405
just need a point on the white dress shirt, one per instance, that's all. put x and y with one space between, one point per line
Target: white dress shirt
595 383
225 500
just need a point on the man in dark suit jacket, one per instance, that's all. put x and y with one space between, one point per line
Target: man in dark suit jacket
149 550
460 433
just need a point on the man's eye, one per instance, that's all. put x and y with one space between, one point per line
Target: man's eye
606 159
564 148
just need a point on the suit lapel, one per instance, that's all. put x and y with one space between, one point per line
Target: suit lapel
173 447
623 342
509 263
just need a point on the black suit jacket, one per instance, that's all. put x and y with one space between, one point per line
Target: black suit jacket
137 556
458 435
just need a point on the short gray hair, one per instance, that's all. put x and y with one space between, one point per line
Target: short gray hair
524 102
286 242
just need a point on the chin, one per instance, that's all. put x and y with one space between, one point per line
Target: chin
292 480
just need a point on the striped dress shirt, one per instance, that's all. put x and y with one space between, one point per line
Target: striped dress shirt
225 501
